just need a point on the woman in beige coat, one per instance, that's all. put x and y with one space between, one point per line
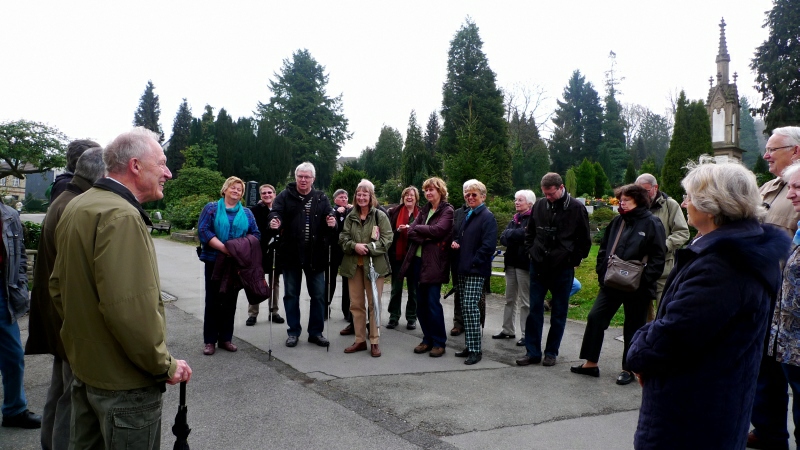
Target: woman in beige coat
365 238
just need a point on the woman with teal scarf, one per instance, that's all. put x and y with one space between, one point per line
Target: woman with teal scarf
220 221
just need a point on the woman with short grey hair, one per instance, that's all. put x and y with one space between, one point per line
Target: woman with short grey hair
698 361
517 266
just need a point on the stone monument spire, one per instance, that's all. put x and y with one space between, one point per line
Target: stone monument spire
723 105
723 58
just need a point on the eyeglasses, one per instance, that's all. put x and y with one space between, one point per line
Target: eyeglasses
267 192
471 194
769 151
686 198
304 177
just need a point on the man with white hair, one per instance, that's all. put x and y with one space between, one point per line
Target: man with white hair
307 224
106 288
675 227
771 403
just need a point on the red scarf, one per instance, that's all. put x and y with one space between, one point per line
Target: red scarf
401 247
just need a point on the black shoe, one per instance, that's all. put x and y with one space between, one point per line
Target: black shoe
473 358
392 324
591 371
521 342
25 419
276 318
251 321
291 341
549 361
528 360
456 331
624 378
502 335
463 353
319 340
411 325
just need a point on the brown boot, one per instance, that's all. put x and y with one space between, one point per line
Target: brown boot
436 352
375 350
422 348
348 330
356 347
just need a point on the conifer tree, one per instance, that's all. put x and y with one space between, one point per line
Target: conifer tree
301 110
585 176
416 162
600 181
747 134
776 63
149 111
691 138
181 133
470 94
630 174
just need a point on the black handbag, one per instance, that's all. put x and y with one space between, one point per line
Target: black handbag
621 274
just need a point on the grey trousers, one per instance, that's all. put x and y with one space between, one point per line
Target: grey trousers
518 288
57 407
252 310
109 420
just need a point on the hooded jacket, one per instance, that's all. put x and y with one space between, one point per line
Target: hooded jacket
293 251
675 227
642 235
699 358
355 232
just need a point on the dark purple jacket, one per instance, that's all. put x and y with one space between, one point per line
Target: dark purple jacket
477 240
434 237
242 269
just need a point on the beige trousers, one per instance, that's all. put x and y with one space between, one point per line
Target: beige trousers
252 310
360 296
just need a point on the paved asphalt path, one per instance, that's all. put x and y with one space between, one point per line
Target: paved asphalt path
309 398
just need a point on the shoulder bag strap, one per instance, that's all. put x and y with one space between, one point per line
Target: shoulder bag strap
614 247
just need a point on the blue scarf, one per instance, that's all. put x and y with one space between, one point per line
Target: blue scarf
796 240
222 225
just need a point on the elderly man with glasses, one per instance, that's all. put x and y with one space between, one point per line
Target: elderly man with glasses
772 398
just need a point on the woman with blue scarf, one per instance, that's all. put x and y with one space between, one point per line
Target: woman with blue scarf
220 221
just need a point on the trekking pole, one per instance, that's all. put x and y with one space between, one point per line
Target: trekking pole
273 244
328 300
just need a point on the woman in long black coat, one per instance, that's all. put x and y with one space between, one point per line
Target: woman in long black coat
699 359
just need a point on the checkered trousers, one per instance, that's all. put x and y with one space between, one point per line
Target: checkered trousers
471 287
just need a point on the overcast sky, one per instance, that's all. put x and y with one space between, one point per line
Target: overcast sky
82 66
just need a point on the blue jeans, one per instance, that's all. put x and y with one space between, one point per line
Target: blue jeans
12 361
429 309
559 283
315 283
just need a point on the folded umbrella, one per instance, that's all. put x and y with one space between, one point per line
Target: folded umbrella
376 304
181 428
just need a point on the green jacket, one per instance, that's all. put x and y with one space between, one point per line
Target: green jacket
677 230
105 285
355 233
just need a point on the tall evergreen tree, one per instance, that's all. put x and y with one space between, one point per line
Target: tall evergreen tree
690 139
226 146
655 132
578 128
567 138
470 94
530 157
600 181
613 146
181 133
149 111
301 110
471 161
776 64
747 134
416 160
387 156
431 138
630 173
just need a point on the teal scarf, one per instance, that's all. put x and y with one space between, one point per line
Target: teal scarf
796 240
222 225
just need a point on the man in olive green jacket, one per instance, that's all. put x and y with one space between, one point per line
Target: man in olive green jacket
105 286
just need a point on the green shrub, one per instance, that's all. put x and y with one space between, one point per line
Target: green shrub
193 181
31 232
503 210
602 215
184 213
